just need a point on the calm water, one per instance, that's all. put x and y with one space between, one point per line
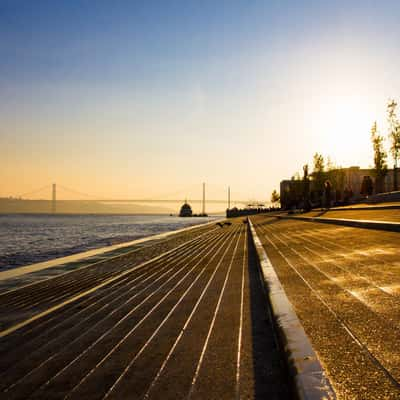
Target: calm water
27 239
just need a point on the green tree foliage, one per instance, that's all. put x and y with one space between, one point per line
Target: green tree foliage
380 157
394 137
306 189
319 164
394 131
275 197
318 173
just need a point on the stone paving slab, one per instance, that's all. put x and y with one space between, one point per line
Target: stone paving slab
344 284
373 214
189 324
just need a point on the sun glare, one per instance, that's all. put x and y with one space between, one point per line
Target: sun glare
341 127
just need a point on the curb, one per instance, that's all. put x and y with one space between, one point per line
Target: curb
309 378
366 208
355 223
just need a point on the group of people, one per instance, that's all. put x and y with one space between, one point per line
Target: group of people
239 212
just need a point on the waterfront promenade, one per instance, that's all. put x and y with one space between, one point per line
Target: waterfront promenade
344 284
185 318
191 316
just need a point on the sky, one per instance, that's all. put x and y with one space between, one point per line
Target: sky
133 99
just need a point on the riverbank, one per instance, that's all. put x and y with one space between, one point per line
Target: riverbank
29 239
140 249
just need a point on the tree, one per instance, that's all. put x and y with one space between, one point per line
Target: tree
394 137
380 157
318 175
336 176
275 197
296 177
330 165
306 189
319 164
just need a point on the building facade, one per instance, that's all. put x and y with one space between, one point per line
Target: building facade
348 185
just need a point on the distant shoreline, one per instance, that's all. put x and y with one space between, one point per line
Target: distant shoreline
216 214
81 207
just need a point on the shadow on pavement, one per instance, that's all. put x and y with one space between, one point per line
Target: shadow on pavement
270 372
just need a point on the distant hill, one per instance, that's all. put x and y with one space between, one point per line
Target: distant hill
19 206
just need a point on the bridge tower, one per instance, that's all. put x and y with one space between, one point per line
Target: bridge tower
54 199
229 197
204 198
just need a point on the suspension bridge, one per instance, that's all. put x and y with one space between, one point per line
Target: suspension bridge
51 193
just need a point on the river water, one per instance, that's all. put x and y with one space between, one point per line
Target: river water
27 239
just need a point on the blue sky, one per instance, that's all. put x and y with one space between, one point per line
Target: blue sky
176 91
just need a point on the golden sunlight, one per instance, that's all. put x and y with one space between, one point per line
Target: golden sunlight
341 126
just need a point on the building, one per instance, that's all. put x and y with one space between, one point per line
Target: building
291 193
354 177
348 185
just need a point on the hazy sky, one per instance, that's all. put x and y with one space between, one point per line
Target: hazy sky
150 98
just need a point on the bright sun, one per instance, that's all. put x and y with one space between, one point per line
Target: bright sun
341 127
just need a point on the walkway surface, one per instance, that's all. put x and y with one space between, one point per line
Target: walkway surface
344 284
389 215
189 324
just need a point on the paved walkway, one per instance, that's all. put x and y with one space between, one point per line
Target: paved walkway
389 215
344 284
189 324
